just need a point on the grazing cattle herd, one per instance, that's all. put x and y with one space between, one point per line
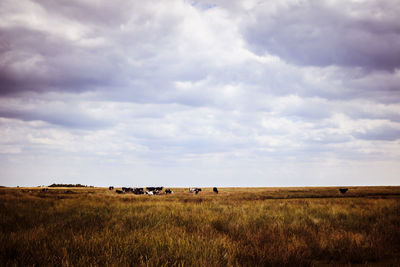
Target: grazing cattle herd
158 190
153 190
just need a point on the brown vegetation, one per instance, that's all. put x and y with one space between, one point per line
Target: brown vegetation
237 227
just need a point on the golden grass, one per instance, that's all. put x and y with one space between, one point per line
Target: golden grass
237 227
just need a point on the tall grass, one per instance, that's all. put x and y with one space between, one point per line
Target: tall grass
238 227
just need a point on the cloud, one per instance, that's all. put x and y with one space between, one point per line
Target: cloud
385 132
312 33
67 114
35 61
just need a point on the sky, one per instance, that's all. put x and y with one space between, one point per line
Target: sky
200 93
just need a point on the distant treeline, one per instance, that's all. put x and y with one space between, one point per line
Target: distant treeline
68 185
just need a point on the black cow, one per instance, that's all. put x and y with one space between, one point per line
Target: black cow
155 188
138 191
111 188
343 190
119 191
127 189
215 190
168 191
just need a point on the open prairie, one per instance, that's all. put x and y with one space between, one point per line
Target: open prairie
310 226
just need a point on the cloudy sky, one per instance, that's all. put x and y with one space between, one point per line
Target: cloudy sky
200 93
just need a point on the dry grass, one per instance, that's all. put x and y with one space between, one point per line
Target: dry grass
238 227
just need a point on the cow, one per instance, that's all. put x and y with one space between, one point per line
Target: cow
215 190
150 193
155 190
159 188
127 189
194 190
119 191
168 191
111 188
343 190
138 191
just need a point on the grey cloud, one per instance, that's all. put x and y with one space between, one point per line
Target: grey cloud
59 114
127 55
137 61
36 61
385 133
349 83
316 33
379 86
370 110
106 14
65 119
141 58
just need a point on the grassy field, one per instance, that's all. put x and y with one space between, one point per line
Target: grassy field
237 227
